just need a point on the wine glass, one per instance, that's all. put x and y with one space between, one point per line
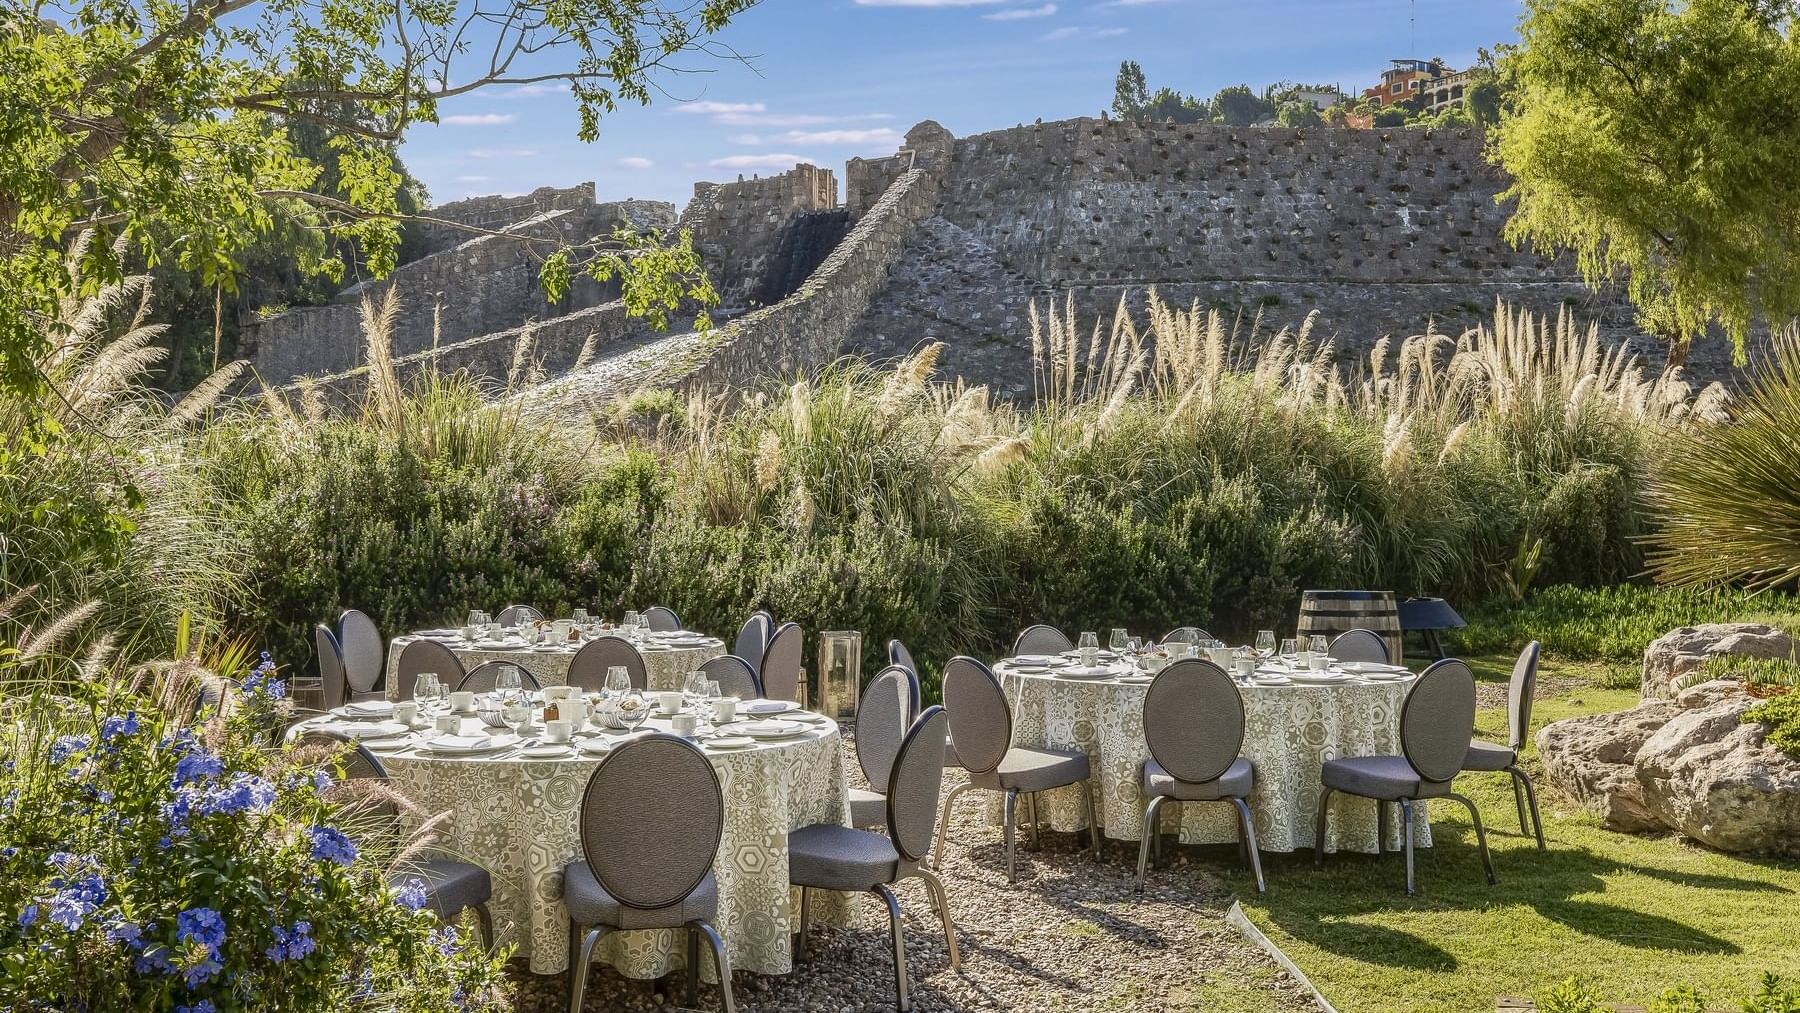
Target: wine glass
1289 648
694 689
425 691
1119 641
507 682
1265 642
634 709
580 617
618 682
630 624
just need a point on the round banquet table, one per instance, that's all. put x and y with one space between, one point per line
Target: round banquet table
1289 731
665 666
519 818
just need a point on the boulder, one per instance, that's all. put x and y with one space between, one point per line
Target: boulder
1711 777
1679 653
1593 759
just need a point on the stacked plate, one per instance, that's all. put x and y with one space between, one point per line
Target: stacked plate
363 731
365 710
766 730
1078 672
764 708
469 745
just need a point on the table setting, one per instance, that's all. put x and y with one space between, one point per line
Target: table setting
545 647
508 769
1301 708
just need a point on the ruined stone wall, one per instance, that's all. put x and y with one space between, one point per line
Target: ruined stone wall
866 179
500 212
737 226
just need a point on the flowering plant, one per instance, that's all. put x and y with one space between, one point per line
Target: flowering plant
155 858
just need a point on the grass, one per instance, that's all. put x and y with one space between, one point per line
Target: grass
1633 915
1613 623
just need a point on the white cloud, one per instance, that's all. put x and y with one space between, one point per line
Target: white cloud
472 179
745 138
719 108
925 3
1136 3
1021 13
476 119
778 160
541 88
502 153
636 162
1081 32
874 135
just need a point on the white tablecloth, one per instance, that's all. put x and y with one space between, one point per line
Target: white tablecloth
519 819
1289 732
666 668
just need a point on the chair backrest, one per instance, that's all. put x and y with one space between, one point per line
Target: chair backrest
651 820
779 672
1518 696
1039 639
333 684
1438 720
980 720
881 722
1194 720
515 615
360 643
734 676
1360 645
899 655
913 785
357 760
753 638
1186 635
426 656
588 667
481 678
662 619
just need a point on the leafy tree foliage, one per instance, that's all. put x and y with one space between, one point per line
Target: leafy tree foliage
1131 93
1238 106
1659 140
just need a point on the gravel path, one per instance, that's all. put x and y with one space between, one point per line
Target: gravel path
1071 935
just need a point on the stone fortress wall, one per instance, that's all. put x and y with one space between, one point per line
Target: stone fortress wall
499 212
738 226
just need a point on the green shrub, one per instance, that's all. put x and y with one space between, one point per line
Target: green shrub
1782 715
1612 623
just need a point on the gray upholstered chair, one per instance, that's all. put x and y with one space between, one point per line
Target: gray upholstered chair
828 856
451 887
1488 756
423 656
360 643
651 821
590 664
1437 723
899 655
779 672
982 723
662 619
1041 639
518 615
482 678
1194 726
753 638
883 715
1186 635
1359 645
734 676
334 685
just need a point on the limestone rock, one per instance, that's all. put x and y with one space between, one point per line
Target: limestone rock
1681 652
1592 760
1710 776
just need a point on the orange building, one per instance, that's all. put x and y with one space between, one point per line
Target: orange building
1403 80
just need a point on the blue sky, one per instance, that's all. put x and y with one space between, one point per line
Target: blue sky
831 79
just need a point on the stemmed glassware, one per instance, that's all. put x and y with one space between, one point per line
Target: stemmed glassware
507 682
1119 642
630 625
1290 648
618 683
580 617
425 691
634 709
1265 643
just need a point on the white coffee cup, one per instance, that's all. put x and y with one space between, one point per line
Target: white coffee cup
560 730
668 703
470 632
448 724
1320 662
407 712
560 629
559 692
574 709
724 709
462 702
684 724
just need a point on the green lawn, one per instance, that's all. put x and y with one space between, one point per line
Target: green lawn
1634 915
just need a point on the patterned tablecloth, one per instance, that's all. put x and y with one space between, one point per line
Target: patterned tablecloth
518 818
665 666
1289 732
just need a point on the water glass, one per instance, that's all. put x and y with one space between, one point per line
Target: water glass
1265 642
1290 647
1089 645
1318 646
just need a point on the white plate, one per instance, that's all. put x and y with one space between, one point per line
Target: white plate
365 710
468 745
1098 672
1034 659
730 742
1400 676
392 745
360 730
1372 668
767 706
1326 678
686 641
1137 680
1272 680
1029 669
770 729
599 744
547 751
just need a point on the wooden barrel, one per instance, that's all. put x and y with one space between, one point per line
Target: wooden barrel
1329 613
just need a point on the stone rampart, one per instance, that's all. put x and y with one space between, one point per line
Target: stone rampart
499 212
737 226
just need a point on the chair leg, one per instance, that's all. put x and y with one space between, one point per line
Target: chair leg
485 919
1487 862
1031 817
901 991
1406 840
1093 816
937 858
1518 800
1319 831
1523 780
720 961
1152 830
805 920
578 987
1248 839
693 966
1012 802
941 900
1381 822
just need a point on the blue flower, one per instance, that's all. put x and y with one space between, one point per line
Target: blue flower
244 793
197 764
7 852
201 925
321 779
121 931
29 916
411 894
67 746
291 944
203 1006
330 845
70 905
114 727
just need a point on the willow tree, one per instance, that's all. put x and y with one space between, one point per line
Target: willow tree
166 124
1659 142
